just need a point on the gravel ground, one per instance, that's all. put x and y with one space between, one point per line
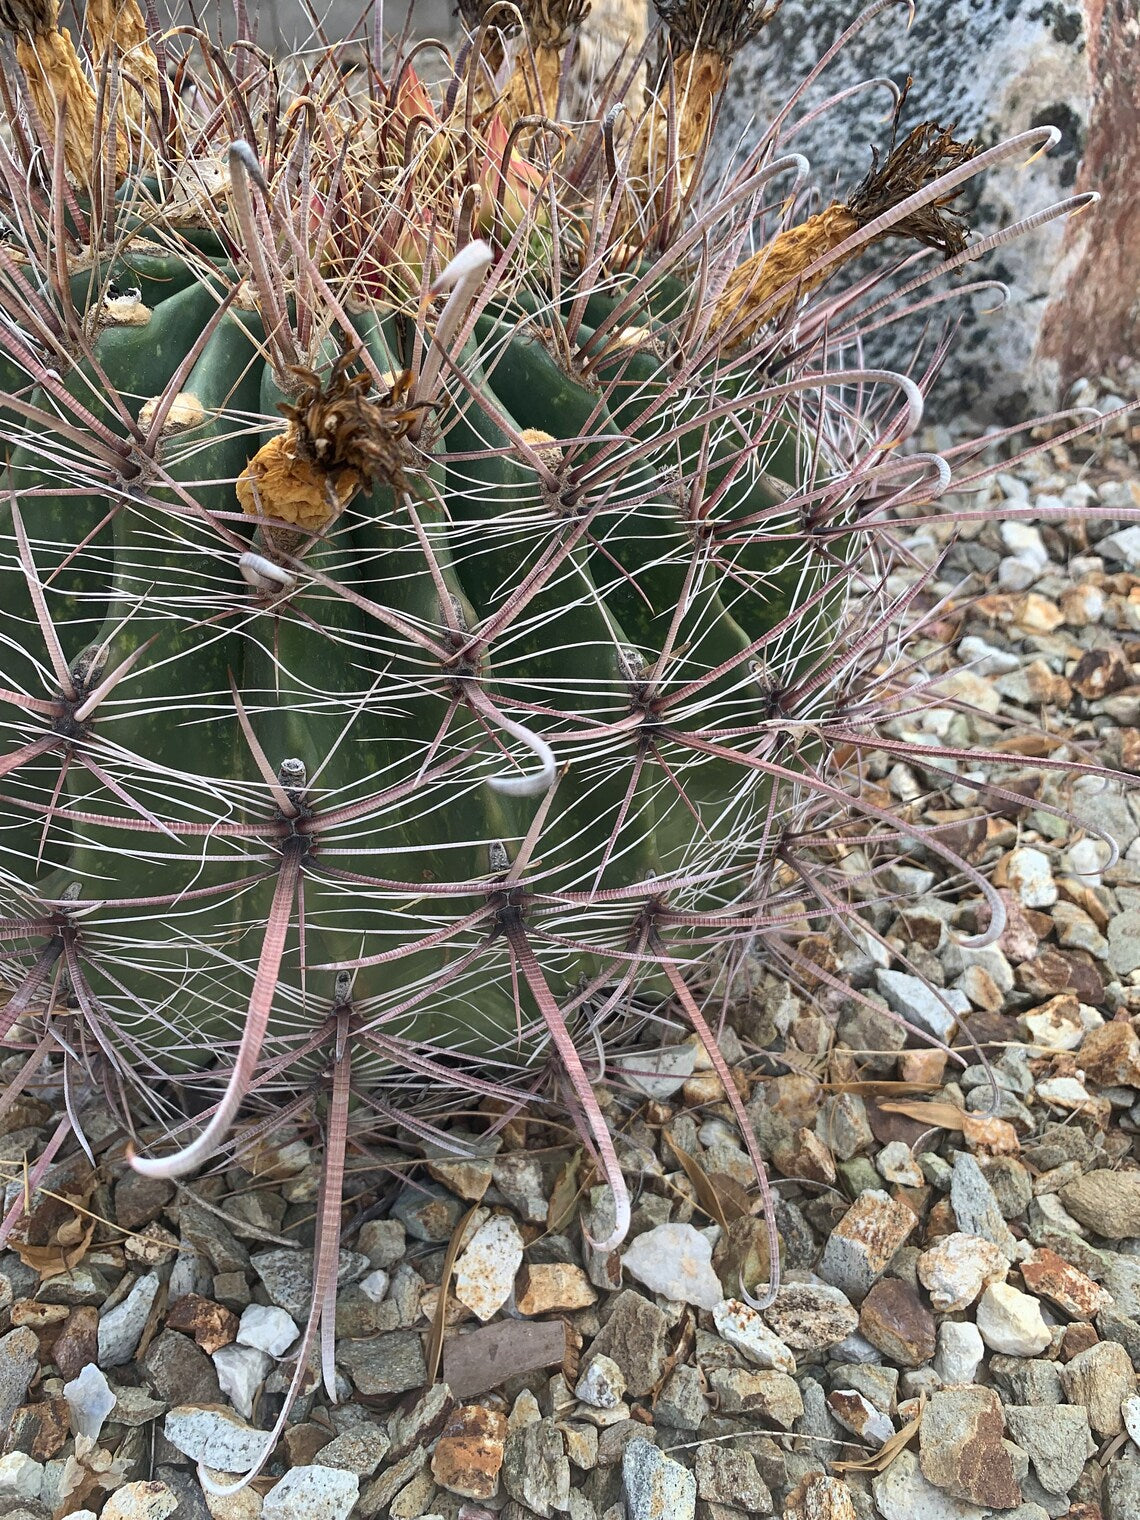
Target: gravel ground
958 1330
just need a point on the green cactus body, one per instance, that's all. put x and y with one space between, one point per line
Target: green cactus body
366 709
417 648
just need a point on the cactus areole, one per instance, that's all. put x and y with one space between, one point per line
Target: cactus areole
426 536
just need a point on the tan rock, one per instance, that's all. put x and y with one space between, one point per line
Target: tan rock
1037 614
543 1287
961 1451
1107 1202
1110 1055
991 1137
820 1498
141 1501
1100 1378
861 1245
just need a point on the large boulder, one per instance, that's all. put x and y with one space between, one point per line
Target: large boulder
992 68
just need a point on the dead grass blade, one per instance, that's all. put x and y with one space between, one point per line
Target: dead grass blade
880 1460
939 1114
439 1322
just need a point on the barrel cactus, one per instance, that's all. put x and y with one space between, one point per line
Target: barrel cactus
425 558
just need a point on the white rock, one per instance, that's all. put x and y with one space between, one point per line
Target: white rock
141 1501
1031 876
1052 1030
1123 546
960 1351
1085 860
972 689
743 1328
121 1328
895 1163
904 784
267 1329
485 1272
375 1285
986 659
931 1009
955 1269
1024 540
1010 1322
675 1260
869 1423
214 1437
312 1493
602 1384
1016 573
660 1073
241 1371
1130 1409
20 1477
1063 1092
89 1401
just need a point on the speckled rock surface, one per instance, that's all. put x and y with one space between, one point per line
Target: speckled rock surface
993 69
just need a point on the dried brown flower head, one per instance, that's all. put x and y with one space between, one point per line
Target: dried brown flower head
714 26
925 153
339 426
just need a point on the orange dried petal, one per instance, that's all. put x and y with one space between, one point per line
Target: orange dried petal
278 482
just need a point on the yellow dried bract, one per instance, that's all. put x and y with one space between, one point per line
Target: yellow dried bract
57 84
519 97
280 482
686 106
544 446
747 299
118 31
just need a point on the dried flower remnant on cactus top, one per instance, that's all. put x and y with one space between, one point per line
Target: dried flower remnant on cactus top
797 260
338 440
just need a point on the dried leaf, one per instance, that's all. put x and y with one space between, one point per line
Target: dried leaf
439 1319
52 1260
562 1208
722 1199
939 1114
736 1201
880 1460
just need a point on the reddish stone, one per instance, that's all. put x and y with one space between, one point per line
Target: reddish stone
961 1451
77 1343
211 1325
1049 1276
1052 971
1093 316
895 1320
1078 1337
1100 671
470 1452
40 1431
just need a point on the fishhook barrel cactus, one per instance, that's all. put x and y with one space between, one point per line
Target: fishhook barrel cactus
427 536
